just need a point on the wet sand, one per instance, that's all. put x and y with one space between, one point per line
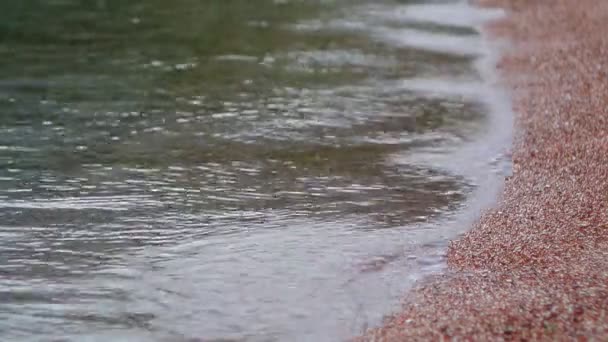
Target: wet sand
536 266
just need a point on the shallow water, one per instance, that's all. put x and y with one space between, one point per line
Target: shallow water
277 170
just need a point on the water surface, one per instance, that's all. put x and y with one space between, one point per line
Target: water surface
243 170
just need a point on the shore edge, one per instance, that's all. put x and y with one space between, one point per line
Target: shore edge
535 267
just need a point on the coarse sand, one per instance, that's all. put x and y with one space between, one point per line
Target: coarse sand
536 266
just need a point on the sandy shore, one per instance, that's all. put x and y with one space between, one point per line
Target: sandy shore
536 266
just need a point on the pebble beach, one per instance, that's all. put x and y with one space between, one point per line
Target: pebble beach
535 267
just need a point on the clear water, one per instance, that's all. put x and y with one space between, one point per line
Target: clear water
234 170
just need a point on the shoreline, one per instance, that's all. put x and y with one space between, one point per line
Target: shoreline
536 265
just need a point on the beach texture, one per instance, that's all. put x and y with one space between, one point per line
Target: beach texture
536 266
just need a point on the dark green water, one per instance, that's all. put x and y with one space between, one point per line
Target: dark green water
218 169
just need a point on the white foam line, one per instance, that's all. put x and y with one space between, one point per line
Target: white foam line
443 87
473 159
453 14
443 43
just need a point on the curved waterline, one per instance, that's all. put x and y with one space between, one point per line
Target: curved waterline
164 182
